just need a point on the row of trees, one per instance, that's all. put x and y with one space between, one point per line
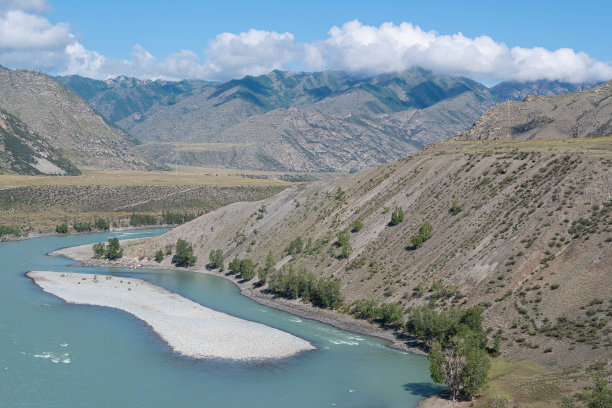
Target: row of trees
291 283
100 224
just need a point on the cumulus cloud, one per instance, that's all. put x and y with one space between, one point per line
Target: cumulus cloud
254 52
356 47
29 40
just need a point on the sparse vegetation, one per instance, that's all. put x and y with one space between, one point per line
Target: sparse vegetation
4 230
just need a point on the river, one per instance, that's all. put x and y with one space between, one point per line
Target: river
54 354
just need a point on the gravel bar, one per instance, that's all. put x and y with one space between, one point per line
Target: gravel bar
188 327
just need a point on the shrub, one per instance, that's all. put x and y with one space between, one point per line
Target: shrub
184 254
455 208
365 309
159 256
62 228
102 224
425 232
357 226
82 226
397 216
4 230
296 246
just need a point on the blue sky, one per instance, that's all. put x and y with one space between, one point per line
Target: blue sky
523 40
164 27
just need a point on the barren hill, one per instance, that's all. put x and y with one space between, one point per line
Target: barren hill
572 115
67 122
23 152
519 227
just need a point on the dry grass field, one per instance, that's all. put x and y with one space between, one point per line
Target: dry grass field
36 204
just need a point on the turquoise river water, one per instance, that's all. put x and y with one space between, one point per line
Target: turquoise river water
54 354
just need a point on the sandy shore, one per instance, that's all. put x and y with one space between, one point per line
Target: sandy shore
188 327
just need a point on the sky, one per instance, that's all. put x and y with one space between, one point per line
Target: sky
485 40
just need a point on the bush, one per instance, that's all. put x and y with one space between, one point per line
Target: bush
357 226
397 216
99 250
216 260
159 256
365 309
296 246
113 249
62 228
425 232
455 208
102 224
82 226
4 230
184 254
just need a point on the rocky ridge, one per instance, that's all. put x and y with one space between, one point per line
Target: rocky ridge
67 122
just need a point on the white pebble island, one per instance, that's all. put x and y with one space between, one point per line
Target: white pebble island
188 327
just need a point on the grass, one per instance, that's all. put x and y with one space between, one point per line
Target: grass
525 383
203 147
180 175
591 146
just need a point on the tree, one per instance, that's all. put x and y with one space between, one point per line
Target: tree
62 228
113 249
247 269
159 256
99 250
184 253
397 216
102 224
216 260
270 262
357 226
462 364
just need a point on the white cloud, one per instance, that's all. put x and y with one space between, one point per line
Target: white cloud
254 52
29 40
355 47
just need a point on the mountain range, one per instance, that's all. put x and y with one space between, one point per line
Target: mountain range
296 121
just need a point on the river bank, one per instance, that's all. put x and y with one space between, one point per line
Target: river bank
84 255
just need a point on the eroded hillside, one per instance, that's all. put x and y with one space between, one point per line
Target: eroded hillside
67 122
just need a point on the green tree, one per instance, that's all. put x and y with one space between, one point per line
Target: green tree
462 365
113 249
62 228
184 253
397 216
270 262
216 260
99 250
425 232
102 224
357 226
159 256
455 208
247 269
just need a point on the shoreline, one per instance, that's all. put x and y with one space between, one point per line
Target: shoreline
12 238
83 255
190 329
